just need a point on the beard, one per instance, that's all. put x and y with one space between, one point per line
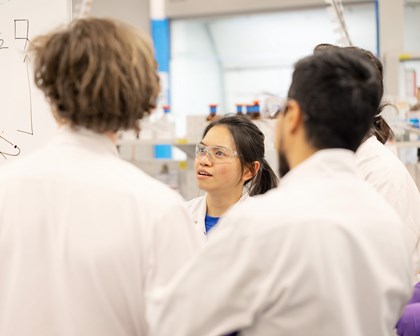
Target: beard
284 166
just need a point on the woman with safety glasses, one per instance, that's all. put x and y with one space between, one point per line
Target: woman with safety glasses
230 166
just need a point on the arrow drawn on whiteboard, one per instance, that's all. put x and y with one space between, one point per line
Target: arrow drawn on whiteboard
16 153
26 60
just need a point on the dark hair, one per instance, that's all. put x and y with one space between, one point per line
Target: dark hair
97 73
380 127
249 142
339 94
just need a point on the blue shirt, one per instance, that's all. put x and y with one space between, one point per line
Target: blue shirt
210 222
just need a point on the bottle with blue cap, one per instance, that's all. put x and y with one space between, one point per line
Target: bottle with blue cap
239 109
253 110
212 113
165 134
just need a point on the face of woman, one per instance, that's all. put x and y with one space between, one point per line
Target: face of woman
218 168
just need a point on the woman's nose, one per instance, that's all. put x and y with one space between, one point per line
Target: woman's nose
204 160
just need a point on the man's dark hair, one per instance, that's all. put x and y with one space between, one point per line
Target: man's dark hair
380 127
339 93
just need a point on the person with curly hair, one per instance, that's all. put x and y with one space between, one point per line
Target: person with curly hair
84 234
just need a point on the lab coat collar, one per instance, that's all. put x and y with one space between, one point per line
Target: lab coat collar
368 150
83 138
203 207
322 162
371 140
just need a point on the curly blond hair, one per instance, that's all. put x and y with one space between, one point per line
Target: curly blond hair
99 74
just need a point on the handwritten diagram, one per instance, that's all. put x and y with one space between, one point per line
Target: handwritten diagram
21 34
2 46
26 121
13 150
21 28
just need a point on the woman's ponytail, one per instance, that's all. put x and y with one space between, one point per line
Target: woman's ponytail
265 180
381 130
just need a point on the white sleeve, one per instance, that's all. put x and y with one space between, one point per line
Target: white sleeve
218 292
404 199
174 242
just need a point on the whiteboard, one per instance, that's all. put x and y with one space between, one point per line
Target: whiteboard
26 122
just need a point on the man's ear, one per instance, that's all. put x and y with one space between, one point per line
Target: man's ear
250 172
293 118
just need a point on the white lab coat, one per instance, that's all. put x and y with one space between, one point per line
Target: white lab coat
198 209
83 236
321 255
388 175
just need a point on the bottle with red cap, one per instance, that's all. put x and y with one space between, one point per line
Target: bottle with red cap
256 110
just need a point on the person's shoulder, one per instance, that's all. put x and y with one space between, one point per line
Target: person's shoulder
379 164
254 208
262 217
22 165
373 152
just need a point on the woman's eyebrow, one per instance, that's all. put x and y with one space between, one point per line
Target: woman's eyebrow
216 146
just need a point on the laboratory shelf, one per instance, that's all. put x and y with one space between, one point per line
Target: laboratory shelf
410 56
407 144
410 129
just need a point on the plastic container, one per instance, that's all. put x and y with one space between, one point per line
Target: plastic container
165 126
164 134
147 128
212 113
239 109
253 110
169 177
414 122
249 108
256 110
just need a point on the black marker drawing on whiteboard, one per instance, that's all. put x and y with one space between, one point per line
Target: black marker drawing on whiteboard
2 44
22 31
4 154
26 60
